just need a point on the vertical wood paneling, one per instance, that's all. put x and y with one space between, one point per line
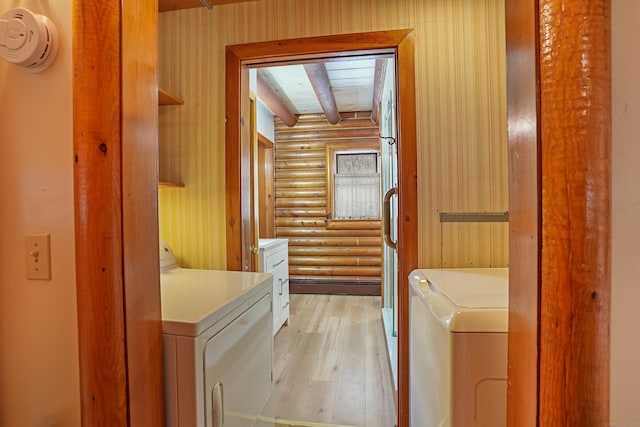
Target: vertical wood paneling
461 105
318 253
117 271
524 215
98 213
140 214
266 189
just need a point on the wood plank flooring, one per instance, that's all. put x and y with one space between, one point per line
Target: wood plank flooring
330 363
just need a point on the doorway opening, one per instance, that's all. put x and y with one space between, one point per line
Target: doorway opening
240 227
324 174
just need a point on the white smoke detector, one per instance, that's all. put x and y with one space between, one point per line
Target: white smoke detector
28 39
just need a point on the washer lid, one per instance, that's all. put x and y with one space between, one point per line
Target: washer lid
466 299
167 257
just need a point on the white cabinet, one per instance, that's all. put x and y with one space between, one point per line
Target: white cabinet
274 258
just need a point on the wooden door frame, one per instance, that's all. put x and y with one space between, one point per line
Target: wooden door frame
115 146
399 42
559 114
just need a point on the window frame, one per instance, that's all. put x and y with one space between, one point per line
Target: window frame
350 147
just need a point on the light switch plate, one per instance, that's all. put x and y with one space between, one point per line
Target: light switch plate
38 256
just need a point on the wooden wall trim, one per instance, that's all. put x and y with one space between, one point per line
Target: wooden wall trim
559 92
524 211
98 213
264 142
277 51
575 98
143 316
115 200
233 156
402 42
407 245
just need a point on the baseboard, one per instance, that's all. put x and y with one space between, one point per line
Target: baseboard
334 288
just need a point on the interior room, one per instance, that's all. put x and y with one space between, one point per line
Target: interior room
299 142
340 289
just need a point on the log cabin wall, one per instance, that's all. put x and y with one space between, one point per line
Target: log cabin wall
324 257
460 104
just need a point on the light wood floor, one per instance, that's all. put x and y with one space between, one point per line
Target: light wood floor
330 363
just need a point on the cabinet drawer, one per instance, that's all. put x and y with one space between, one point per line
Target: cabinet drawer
280 274
276 259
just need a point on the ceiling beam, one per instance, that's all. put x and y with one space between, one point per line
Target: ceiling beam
319 79
274 103
378 87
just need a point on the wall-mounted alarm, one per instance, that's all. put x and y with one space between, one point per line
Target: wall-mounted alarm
28 39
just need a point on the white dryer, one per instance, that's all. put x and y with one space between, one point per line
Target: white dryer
458 320
218 346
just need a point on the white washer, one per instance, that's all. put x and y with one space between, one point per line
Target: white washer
458 321
218 345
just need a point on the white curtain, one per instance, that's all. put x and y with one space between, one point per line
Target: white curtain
357 196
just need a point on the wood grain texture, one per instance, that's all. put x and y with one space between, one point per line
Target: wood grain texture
330 363
143 317
407 244
164 5
524 213
266 188
575 78
117 267
236 206
98 212
305 214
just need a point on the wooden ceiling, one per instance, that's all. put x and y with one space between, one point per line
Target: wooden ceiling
332 87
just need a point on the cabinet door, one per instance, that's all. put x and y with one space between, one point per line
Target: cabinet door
281 290
275 260
284 302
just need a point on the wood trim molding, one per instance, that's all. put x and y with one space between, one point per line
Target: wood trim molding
407 246
167 5
524 212
116 224
264 142
400 42
233 153
296 287
559 95
575 105
98 207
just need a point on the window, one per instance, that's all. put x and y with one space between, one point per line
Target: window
353 184
356 186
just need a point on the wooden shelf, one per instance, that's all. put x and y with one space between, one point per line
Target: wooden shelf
165 98
167 5
164 184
